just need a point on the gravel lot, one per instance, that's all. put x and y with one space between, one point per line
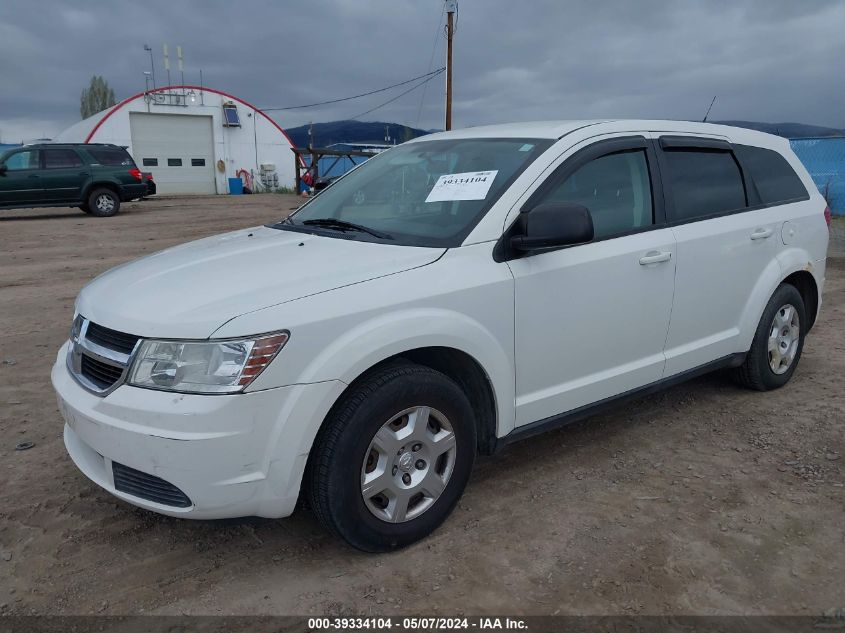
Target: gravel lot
704 499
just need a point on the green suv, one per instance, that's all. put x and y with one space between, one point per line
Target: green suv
92 176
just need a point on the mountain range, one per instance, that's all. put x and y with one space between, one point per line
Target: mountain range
325 134
787 130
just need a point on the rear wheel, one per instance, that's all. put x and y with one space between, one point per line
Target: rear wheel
103 203
778 342
393 458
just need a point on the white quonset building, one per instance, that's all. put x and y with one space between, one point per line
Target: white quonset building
193 139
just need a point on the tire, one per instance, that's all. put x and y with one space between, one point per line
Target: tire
758 372
85 208
347 453
103 203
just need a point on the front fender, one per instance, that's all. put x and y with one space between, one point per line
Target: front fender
464 301
373 341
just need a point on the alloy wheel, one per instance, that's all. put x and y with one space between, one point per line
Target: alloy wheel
105 203
408 464
784 336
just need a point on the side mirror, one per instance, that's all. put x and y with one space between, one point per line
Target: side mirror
554 224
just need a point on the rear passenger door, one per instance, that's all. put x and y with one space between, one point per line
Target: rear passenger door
64 175
725 240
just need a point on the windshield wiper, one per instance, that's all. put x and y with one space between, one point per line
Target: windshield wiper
343 225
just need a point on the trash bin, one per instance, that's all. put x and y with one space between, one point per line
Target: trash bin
236 186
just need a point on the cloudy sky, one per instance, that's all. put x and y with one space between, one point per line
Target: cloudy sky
767 60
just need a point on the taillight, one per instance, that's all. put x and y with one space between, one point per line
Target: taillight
149 176
136 174
827 216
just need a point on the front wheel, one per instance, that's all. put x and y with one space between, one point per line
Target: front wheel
778 342
393 458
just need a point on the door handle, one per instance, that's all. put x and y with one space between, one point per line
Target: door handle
33 176
655 257
761 234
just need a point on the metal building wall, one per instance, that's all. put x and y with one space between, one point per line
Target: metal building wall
824 158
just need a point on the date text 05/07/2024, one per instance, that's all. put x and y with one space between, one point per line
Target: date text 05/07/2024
416 623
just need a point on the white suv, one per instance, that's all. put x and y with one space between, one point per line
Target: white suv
449 296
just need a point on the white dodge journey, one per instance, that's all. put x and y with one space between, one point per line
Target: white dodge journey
449 296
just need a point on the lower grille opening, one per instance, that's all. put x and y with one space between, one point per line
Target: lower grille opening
134 482
101 374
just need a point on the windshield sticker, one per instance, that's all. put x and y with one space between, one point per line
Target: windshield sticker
526 148
471 185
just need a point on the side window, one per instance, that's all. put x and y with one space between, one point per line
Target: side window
703 182
773 176
22 160
111 156
615 188
61 159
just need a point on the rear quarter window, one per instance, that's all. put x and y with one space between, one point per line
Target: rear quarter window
772 174
111 156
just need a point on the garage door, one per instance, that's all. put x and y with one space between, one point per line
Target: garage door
177 149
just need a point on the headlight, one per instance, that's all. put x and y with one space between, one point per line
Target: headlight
204 366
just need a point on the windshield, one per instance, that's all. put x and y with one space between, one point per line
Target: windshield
428 193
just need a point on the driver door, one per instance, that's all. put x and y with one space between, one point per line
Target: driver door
592 319
20 183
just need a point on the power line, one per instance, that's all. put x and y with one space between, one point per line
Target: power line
402 94
437 33
430 74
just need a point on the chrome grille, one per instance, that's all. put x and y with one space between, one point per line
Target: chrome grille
111 339
99 357
101 374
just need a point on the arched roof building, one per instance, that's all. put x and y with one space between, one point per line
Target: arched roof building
193 139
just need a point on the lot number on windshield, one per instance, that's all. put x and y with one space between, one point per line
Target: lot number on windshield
471 185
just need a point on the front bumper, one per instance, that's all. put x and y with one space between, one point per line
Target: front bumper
232 455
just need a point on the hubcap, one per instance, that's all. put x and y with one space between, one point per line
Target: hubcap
105 203
784 336
408 464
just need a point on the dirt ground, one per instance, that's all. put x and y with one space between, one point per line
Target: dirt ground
704 499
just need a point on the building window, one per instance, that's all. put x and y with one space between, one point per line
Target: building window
197 162
150 162
230 115
174 162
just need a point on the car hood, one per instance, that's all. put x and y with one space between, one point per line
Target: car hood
189 291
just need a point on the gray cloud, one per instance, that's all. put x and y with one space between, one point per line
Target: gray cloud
767 60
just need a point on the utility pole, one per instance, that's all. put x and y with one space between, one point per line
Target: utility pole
451 7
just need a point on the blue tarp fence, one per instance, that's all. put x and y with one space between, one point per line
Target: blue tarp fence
824 158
